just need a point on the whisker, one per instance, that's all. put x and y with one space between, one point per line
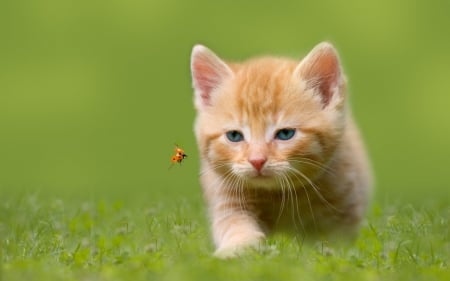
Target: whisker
316 189
223 185
313 163
297 204
231 190
307 196
231 184
292 196
237 185
214 167
283 199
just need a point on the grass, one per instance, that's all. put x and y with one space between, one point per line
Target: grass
69 239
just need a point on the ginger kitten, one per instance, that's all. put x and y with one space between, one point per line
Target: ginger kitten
279 149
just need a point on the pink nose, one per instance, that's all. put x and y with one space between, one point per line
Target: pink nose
257 163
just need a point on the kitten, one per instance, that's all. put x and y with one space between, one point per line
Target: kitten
278 148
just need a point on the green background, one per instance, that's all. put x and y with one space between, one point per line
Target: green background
94 94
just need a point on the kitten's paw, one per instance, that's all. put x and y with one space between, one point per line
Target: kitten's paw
230 252
239 247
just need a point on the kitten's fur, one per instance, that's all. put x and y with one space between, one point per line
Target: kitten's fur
317 182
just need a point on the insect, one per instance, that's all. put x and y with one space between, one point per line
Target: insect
179 155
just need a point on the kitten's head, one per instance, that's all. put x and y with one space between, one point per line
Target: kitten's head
268 119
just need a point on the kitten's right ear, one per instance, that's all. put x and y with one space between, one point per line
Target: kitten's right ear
208 73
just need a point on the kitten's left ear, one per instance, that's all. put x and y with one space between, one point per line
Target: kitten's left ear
208 73
321 70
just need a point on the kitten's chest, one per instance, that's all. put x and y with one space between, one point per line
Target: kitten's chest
296 209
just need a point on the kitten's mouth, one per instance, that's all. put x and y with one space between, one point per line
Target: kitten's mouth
257 176
262 181
261 176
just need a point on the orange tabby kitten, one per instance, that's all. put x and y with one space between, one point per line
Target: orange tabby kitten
279 149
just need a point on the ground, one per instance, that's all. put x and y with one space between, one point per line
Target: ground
70 239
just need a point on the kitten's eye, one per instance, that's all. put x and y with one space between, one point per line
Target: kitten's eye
234 136
285 134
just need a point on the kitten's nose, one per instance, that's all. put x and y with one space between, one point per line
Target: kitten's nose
257 163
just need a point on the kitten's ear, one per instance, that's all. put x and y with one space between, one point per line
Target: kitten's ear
208 73
321 70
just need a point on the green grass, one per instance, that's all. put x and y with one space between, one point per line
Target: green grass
71 239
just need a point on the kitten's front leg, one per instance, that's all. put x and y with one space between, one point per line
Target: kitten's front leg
235 231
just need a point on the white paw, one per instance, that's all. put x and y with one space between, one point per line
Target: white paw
239 247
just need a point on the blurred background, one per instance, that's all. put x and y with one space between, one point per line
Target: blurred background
94 94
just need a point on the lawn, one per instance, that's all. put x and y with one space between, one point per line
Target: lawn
94 95
54 239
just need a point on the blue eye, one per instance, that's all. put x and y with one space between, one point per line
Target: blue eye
285 134
234 136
